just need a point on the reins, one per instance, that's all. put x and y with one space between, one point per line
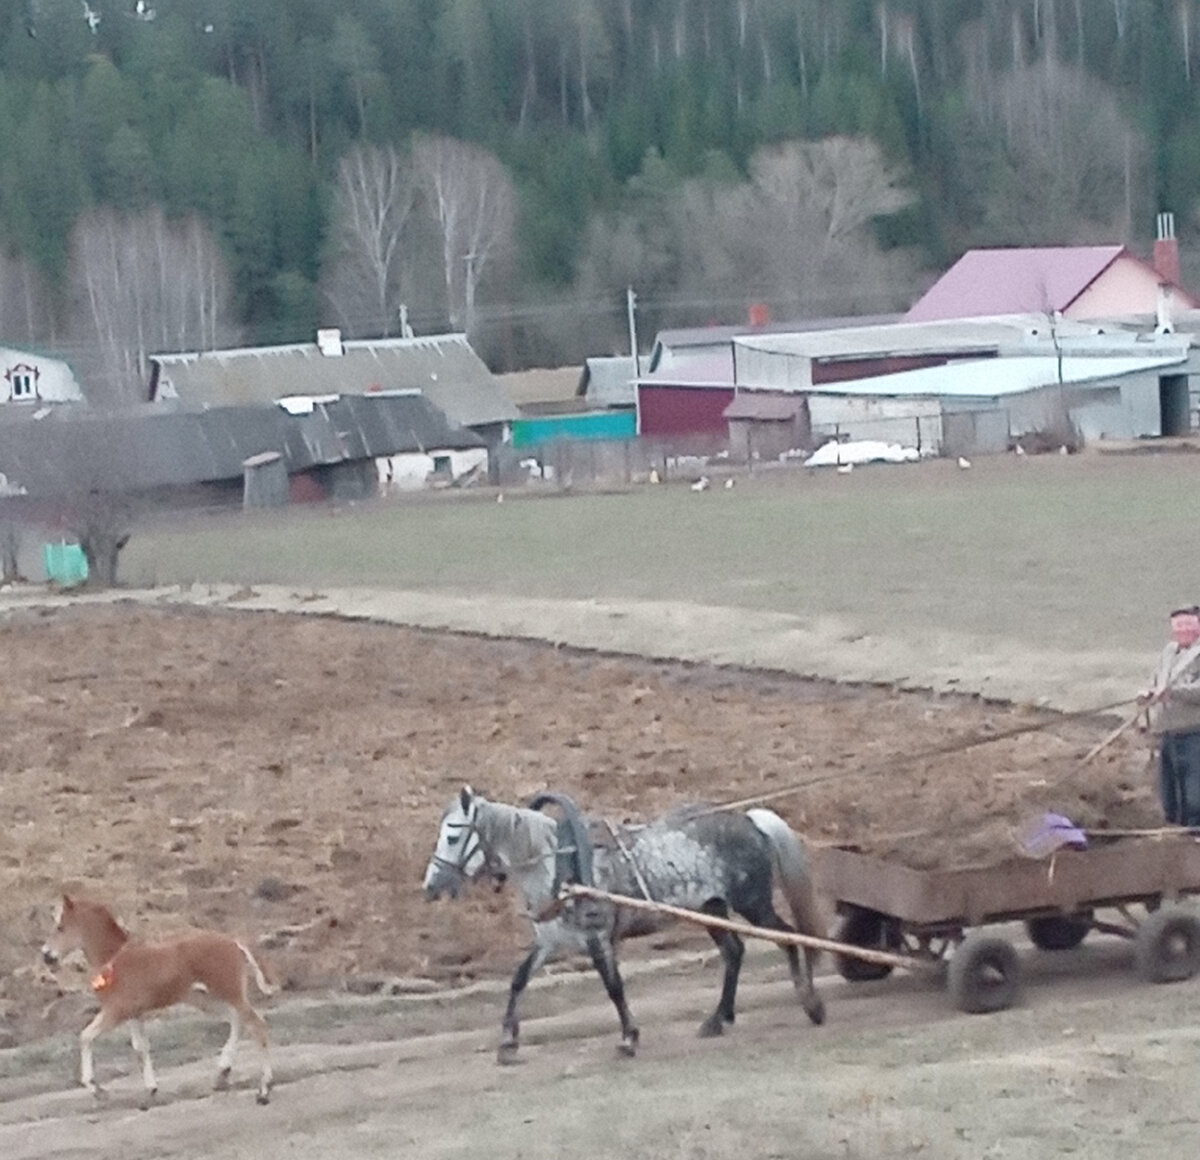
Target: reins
892 763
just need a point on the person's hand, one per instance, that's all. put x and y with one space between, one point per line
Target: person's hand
1145 697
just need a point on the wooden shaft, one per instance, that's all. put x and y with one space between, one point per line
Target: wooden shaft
782 937
1100 746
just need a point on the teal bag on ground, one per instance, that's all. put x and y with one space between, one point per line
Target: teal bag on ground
66 565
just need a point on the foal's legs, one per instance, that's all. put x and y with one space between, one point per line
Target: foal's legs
511 1027
604 959
238 1013
732 951
229 1051
104 1021
137 1037
258 1029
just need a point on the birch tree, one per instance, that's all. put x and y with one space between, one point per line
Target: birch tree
472 202
142 284
376 195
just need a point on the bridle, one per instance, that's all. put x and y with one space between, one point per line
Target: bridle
473 844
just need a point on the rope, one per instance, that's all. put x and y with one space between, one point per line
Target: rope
908 758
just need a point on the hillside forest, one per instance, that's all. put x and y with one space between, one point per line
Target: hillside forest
184 174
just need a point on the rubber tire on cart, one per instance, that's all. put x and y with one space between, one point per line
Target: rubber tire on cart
984 974
1059 932
869 929
1167 945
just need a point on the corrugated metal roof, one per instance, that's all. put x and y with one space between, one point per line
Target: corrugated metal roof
763 405
708 335
956 336
443 367
1014 280
165 445
703 370
992 378
541 385
609 381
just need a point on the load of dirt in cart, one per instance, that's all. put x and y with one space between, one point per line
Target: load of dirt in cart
985 805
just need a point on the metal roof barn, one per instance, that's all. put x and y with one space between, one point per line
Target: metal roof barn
442 367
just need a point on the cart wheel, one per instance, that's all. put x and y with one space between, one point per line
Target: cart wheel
1059 932
984 974
1167 946
870 929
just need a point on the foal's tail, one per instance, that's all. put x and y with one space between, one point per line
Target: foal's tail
791 861
260 979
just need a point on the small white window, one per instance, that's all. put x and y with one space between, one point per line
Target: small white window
22 382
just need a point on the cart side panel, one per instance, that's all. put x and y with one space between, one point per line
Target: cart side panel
1064 882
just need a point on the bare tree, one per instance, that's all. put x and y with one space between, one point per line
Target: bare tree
143 284
839 184
367 271
1072 167
26 303
798 234
473 205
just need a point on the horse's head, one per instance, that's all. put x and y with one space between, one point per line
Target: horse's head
65 936
459 855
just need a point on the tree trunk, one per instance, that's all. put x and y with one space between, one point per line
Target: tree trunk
102 547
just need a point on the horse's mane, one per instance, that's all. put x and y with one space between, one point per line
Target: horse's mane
525 835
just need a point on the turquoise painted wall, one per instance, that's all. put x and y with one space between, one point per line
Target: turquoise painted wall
591 425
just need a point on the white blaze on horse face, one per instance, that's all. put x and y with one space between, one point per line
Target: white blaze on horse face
458 856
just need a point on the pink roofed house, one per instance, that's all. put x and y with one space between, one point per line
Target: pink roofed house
1078 282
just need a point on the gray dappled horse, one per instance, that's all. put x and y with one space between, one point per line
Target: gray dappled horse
707 861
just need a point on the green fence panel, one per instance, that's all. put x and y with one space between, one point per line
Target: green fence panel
592 425
66 565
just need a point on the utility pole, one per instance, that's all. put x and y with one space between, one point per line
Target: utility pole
630 302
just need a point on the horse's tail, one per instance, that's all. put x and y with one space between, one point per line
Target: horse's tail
791 861
260 979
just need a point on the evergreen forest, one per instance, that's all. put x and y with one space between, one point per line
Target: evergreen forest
184 174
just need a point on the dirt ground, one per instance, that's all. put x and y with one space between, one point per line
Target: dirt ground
281 777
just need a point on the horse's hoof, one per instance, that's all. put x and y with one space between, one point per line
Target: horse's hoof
628 1046
506 1053
263 1098
147 1101
221 1083
712 1027
815 1010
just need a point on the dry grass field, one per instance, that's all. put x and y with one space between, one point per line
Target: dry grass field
282 775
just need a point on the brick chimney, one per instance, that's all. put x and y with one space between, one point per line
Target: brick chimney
759 314
1166 250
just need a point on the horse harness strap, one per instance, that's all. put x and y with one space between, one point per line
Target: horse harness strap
574 856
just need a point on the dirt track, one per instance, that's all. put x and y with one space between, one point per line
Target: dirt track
283 776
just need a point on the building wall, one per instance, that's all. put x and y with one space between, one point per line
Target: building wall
1124 409
667 412
911 422
767 369
756 439
53 380
1126 287
411 472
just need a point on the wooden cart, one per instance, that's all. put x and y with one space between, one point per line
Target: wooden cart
927 915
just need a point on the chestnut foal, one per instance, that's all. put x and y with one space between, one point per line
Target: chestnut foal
134 978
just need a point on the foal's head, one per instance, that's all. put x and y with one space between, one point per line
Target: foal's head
459 855
78 922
